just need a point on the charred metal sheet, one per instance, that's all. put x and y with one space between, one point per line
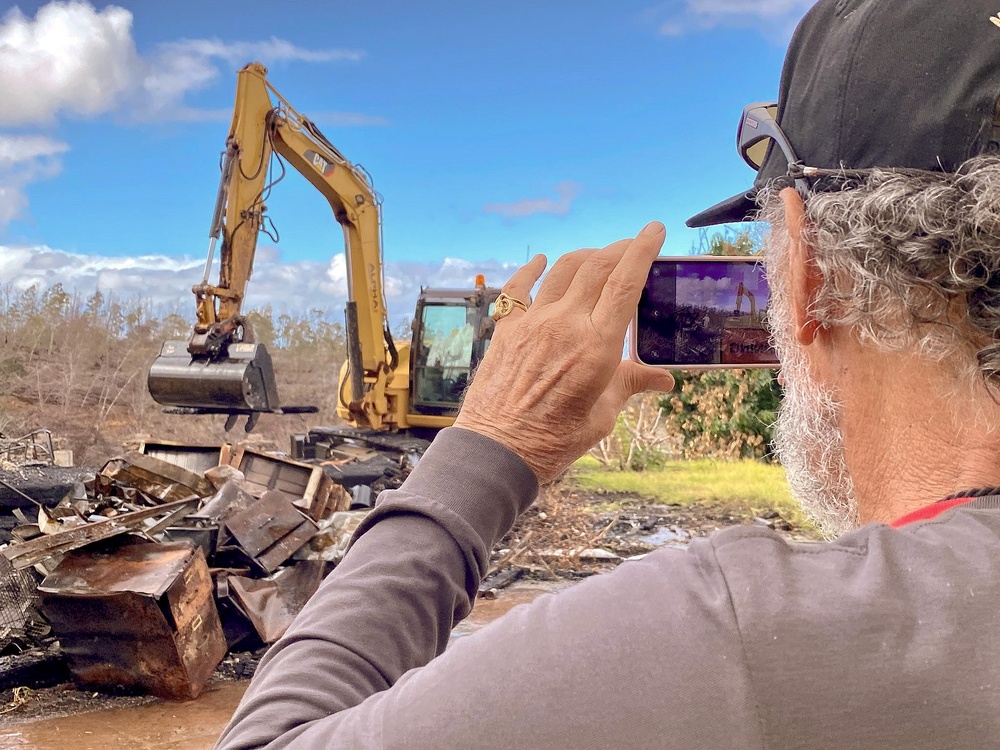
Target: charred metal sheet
305 485
223 473
25 554
140 616
270 530
159 479
38 484
271 559
273 603
194 458
235 622
230 499
398 443
379 468
204 537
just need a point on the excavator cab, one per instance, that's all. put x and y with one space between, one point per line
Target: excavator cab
451 333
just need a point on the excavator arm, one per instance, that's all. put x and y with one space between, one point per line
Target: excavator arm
742 291
265 124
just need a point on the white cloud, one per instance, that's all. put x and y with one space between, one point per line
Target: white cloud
237 53
19 149
776 19
567 192
285 286
25 159
177 68
73 59
69 58
704 292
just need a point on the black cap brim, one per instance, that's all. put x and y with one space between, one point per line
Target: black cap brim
740 207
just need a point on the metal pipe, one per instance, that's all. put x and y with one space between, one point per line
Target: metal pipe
354 365
211 257
215 230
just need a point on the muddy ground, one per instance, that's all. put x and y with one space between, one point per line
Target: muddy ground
566 536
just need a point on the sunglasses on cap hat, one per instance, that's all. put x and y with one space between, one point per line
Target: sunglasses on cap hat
852 67
758 132
758 129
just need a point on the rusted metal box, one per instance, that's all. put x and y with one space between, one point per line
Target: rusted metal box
140 616
193 457
304 485
271 530
157 479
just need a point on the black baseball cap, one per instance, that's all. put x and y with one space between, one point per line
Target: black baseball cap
883 83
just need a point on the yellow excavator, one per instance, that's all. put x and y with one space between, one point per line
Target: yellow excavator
384 386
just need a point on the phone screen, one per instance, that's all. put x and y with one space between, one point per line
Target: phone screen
704 312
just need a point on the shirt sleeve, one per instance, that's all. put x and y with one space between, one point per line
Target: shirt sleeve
647 656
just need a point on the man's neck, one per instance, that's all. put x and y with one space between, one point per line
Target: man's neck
914 435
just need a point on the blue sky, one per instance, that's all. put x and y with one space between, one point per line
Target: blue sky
487 127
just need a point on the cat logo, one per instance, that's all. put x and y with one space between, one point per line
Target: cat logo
321 164
995 19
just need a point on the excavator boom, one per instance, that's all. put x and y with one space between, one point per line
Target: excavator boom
220 369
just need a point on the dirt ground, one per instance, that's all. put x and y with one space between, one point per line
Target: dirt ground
63 718
566 536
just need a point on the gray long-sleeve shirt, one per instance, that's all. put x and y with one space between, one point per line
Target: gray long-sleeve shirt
883 639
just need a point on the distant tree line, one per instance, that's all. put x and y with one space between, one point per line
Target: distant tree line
77 366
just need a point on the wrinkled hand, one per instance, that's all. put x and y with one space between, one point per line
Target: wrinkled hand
553 381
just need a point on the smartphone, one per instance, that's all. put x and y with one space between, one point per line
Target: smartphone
703 313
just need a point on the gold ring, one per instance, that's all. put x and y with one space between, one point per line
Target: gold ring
505 305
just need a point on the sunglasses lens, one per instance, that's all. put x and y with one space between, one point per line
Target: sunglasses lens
753 138
757 152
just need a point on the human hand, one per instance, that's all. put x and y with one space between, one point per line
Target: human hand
553 380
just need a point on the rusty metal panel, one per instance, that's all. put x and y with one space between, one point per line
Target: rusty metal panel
25 554
159 479
264 472
228 500
271 604
287 546
270 530
305 485
204 536
141 616
194 458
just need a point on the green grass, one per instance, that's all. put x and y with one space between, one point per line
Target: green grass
743 487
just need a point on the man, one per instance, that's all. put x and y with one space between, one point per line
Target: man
884 259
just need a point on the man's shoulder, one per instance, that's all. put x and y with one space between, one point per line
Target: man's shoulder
899 619
960 531
861 568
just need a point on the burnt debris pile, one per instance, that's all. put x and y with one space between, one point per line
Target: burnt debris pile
143 574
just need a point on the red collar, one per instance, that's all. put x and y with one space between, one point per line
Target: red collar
930 511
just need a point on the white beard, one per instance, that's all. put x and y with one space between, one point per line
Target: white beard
807 437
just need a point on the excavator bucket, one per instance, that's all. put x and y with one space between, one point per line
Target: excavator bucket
241 382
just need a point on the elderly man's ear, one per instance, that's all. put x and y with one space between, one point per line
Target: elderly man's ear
804 276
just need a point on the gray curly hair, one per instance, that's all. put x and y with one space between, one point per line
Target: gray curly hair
911 261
